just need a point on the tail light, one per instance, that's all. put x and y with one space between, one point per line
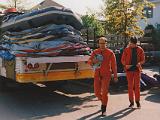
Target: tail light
30 66
36 65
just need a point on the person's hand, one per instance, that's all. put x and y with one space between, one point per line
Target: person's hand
138 65
116 79
95 61
128 66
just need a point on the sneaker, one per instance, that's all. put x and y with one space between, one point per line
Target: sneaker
131 105
138 105
103 109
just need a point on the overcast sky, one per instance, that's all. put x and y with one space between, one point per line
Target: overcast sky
79 6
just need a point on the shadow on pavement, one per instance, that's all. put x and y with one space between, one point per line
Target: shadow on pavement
90 115
116 116
76 87
154 95
37 103
118 88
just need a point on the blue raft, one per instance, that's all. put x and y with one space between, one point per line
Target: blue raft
37 18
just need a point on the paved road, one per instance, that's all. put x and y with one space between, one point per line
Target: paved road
74 102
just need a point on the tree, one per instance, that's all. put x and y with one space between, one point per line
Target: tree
90 21
122 16
14 3
3 6
18 4
151 31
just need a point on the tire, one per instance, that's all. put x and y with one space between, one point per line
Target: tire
8 84
3 83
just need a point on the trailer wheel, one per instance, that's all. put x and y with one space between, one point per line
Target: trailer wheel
3 83
7 84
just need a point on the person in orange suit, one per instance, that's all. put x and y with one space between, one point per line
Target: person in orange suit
103 73
132 59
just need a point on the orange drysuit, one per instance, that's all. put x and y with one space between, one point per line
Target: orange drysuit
133 77
102 75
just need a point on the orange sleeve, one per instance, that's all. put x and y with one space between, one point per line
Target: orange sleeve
114 64
123 57
90 60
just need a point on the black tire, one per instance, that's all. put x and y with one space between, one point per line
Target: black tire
3 83
8 84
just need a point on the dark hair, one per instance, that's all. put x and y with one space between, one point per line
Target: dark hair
133 40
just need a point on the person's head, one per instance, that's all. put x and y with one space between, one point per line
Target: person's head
102 41
133 42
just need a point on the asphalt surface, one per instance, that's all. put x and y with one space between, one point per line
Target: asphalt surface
75 101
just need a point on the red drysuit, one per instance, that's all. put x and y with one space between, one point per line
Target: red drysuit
102 75
133 77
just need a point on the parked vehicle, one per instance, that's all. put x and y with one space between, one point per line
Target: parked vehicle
48 51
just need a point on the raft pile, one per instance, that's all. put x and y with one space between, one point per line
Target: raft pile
48 32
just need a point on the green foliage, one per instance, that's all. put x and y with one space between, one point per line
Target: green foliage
157 40
122 17
151 31
90 21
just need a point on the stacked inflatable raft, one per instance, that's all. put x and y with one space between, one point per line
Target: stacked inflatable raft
37 18
53 32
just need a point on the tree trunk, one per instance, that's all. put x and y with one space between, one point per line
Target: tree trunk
15 4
